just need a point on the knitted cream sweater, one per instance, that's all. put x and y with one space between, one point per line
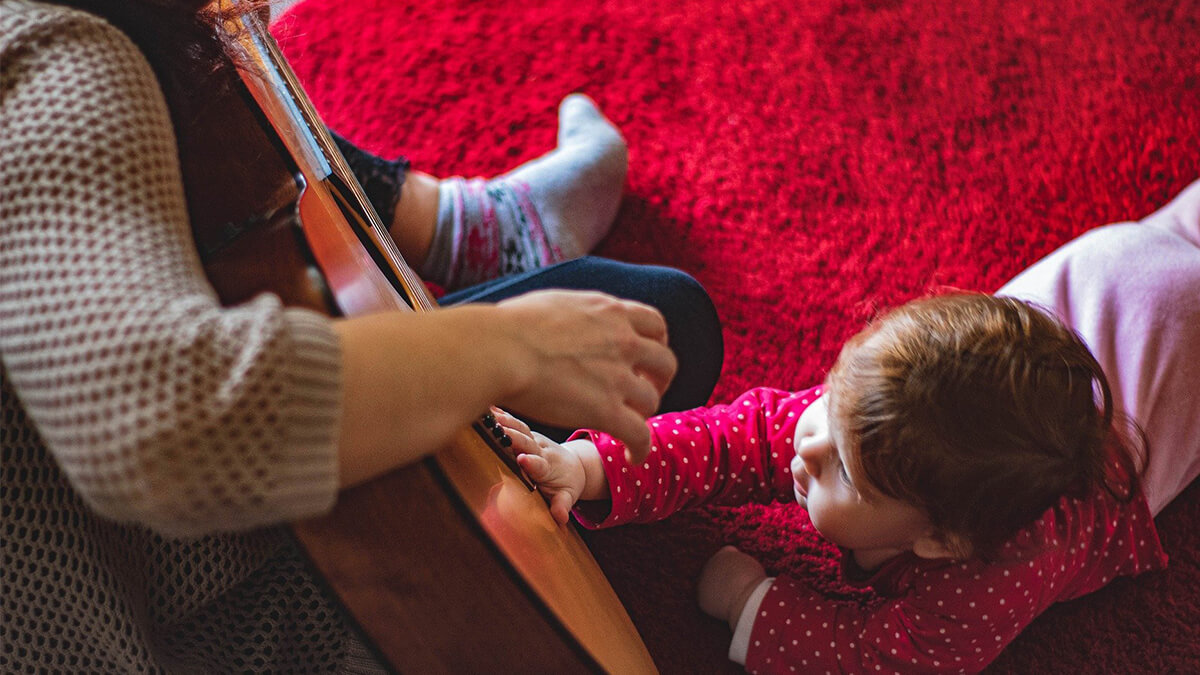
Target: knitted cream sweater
152 441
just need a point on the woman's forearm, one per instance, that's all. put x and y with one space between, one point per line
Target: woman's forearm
565 358
410 381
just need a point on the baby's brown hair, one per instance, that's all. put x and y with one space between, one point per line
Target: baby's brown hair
982 411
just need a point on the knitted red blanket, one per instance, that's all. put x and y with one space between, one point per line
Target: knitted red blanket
810 162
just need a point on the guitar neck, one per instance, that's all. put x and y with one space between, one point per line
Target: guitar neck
275 88
453 564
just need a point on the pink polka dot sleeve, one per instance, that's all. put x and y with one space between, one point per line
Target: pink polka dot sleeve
724 454
954 616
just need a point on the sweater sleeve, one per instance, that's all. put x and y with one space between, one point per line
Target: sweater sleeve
159 406
722 455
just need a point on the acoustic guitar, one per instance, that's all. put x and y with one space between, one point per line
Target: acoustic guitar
453 564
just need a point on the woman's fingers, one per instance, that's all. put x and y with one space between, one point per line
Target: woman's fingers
642 396
631 429
597 361
657 363
653 359
647 321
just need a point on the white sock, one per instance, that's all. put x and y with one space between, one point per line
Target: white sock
553 208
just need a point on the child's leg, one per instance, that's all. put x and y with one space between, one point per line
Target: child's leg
554 208
460 232
1132 291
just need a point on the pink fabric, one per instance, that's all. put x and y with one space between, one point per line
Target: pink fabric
1132 291
925 615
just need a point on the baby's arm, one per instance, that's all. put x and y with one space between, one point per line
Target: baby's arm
720 455
565 473
938 616
727 581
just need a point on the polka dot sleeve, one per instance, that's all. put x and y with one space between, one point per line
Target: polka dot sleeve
725 454
953 616
160 406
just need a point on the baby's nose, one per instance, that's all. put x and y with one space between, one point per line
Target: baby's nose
813 450
809 461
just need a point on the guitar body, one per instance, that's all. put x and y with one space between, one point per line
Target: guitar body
452 564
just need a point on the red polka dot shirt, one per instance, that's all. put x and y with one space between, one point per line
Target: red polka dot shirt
930 615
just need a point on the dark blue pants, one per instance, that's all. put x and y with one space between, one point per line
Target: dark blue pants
694 331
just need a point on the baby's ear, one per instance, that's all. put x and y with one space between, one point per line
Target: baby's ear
934 544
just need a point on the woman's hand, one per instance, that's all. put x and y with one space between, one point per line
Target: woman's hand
592 360
561 471
726 582
570 359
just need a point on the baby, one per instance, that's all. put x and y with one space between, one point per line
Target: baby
964 455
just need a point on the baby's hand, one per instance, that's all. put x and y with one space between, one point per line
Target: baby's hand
728 579
558 472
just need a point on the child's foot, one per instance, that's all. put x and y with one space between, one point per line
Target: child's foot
551 209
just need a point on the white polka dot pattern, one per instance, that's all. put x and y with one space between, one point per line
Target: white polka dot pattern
726 454
148 434
926 615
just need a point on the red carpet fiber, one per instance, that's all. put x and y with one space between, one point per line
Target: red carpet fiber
810 163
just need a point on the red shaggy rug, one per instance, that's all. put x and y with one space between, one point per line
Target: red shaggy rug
810 163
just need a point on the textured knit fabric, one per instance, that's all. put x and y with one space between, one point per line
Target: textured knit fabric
925 615
149 436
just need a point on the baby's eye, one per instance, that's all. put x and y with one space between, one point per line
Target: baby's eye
844 475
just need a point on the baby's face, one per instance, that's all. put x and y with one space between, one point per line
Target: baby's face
873 526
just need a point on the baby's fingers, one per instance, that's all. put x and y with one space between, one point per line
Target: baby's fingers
536 466
522 443
511 423
560 507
